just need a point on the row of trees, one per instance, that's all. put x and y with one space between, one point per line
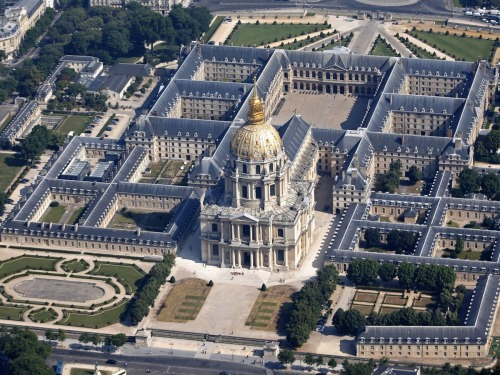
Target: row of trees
25 354
308 303
349 322
138 307
425 277
403 242
117 340
32 35
470 181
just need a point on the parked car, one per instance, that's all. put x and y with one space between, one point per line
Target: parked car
108 128
24 180
320 328
111 361
9 201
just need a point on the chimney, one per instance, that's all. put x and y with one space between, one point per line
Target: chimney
402 139
138 231
458 143
76 227
449 132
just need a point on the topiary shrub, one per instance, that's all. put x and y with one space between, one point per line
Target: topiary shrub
172 280
210 283
54 204
263 288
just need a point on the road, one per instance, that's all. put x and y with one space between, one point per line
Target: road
430 7
156 364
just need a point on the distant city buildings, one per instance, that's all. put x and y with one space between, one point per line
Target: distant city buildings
160 6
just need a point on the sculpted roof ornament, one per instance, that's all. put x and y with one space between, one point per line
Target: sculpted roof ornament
256 140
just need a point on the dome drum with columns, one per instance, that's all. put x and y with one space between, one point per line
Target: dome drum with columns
264 219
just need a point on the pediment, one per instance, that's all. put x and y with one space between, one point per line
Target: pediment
244 217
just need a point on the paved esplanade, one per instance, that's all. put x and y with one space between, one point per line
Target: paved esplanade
59 290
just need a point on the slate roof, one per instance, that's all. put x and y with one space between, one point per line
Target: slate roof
137 70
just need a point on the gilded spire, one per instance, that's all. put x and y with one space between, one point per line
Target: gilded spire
256 113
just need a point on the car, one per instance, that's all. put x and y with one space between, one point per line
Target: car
9 201
320 328
24 180
106 135
108 128
225 373
88 131
111 361
211 43
321 322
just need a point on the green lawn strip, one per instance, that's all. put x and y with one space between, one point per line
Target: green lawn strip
128 275
75 123
381 49
54 214
172 168
75 216
460 3
75 266
13 266
213 27
420 52
11 313
44 315
106 124
251 34
10 166
97 320
469 49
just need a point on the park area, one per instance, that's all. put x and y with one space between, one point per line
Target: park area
75 123
15 265
386 302
96 320
147 220
466 48
269 307
381 48
129 276
248 35
184 301
10 166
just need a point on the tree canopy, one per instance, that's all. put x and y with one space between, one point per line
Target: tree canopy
402 241
363 271
469 181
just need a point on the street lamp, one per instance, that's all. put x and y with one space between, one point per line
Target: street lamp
171 348
232 354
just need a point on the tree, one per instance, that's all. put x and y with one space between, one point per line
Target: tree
469 181
401 241
3 55
357 368
50 335
319 360
406 275
488 223
348 322
490 185
309 359
363 271
372 237
459 245
118 340
61 335
387 272
286 357
29 364
96 339
332 363
414 174
85 338
445 300
210 283
172 280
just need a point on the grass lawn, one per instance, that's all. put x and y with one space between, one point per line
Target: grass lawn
102 319
250 34
54 214
127 275
363 309
365 297
10 166
465 254
11 313
460 3
9 267
184 301
44 316
172 168
380 49
75 265
428 303
157 167
390 299
269 307
73 219
213 27
6 122
470 49
388 310
151 221
76 123
420 52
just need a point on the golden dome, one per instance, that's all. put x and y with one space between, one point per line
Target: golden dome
256 140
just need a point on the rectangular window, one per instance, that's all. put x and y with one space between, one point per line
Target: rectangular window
215 250
214 227
244 192
258 192
281 255
272 190
281 232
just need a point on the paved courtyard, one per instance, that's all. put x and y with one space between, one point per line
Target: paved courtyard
327 111
59 290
